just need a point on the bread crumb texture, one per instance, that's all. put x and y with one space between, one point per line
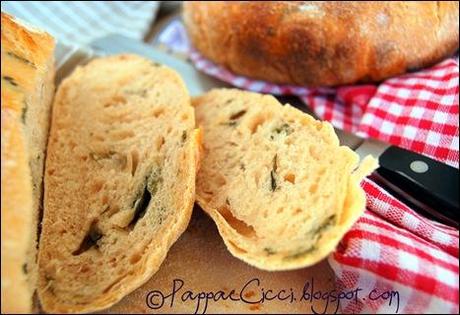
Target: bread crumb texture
27 71
280 188
119 181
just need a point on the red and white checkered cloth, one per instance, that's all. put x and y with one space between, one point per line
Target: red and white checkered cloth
391 247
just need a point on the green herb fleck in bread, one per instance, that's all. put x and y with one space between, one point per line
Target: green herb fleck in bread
27 71
280 188
119 181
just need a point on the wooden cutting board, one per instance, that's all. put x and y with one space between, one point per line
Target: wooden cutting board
201 261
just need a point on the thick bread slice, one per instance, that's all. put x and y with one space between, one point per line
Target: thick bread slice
119 181
27 67
276 182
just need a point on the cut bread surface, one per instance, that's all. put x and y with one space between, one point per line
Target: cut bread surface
119 181
280 188
27 67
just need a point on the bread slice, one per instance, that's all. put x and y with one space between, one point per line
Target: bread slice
119 181
280 188
27 68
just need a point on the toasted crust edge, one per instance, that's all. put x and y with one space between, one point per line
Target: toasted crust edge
355 201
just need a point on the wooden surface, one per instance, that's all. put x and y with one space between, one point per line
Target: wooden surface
200 259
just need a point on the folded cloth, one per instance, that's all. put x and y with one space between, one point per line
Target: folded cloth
80 22
403 262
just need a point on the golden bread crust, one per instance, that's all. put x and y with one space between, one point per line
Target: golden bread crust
27 87
119 181
323 43
280 188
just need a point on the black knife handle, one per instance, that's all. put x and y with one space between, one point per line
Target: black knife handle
428 182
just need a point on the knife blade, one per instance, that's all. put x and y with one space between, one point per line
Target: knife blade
424 183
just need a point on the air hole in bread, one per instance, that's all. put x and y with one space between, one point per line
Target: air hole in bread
237 115
257 178
141 204
290 178
313 188
123 134
140 207
288 141
159 143
105 199
116 117
85 268
134 161
158 112
135 259
184 117
240 226
72 144
280 210
121 160
257 121
90 240
218 180
99 138
109 210
207 195
315 152
97 186
116 100
297 211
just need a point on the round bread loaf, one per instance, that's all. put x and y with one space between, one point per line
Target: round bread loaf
323 43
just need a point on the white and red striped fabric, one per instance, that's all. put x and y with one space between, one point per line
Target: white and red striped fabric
391 248
417 111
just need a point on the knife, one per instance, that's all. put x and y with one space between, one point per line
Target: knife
425 184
